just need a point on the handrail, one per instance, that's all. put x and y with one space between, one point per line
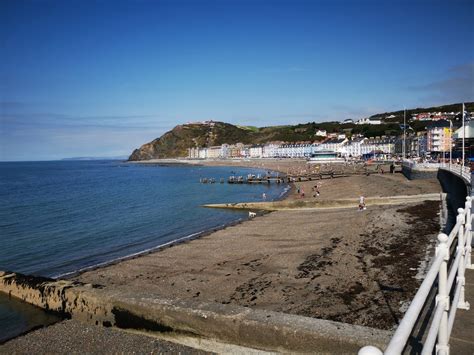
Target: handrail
452 315
453 234
445 311
463 171
431 339
400 338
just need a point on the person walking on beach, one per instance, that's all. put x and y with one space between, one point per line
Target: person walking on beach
362 203
317 190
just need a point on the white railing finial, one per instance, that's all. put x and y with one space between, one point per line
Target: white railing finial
370 350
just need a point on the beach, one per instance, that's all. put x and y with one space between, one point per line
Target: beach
359 267
338 264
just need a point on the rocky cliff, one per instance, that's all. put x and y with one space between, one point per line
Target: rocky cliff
176 142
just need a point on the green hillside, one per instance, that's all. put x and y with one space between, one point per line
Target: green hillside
176 142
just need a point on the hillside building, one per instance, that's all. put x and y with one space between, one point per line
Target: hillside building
372 121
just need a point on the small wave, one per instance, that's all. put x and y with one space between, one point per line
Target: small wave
8 225
284 192
130 256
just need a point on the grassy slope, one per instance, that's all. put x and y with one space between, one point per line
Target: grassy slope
176 142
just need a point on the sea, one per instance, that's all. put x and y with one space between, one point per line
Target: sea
58 218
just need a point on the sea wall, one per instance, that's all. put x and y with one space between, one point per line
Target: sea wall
226 323
415 174
457 189
73 299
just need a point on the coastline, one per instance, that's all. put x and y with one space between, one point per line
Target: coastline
243 270
185 239
287 261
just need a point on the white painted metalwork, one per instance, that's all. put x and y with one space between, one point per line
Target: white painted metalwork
449 282
460 170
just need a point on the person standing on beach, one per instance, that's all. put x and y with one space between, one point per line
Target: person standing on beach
264 196
362 203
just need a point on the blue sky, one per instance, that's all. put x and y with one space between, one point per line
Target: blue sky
100 78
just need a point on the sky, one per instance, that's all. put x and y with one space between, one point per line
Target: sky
101 78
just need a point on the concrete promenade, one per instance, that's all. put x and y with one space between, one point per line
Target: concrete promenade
462 336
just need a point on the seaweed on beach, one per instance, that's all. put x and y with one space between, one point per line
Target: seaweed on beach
314 264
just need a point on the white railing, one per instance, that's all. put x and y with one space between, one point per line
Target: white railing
416 165
463 171
445 311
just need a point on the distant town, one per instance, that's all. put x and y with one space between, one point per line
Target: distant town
441 137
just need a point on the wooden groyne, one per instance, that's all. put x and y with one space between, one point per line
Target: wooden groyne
313 174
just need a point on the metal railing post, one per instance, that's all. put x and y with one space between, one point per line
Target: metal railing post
468 233
442 347
369 350
461 219
468 209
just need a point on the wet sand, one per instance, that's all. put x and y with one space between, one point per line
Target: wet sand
346 265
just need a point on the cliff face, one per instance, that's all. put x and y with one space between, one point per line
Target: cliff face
176 142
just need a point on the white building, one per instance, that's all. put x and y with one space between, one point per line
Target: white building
333 145
469 129
202 153
270 149
321 133
385 145
256 151
354 147
369 121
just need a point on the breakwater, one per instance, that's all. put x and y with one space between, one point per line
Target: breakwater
226 323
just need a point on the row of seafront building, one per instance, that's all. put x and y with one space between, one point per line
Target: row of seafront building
437 139
356 147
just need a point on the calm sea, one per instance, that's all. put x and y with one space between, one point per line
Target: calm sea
60 217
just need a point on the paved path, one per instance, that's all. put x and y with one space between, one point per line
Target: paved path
462 336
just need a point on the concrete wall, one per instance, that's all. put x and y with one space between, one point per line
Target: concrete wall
225 323
413 174
457 189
